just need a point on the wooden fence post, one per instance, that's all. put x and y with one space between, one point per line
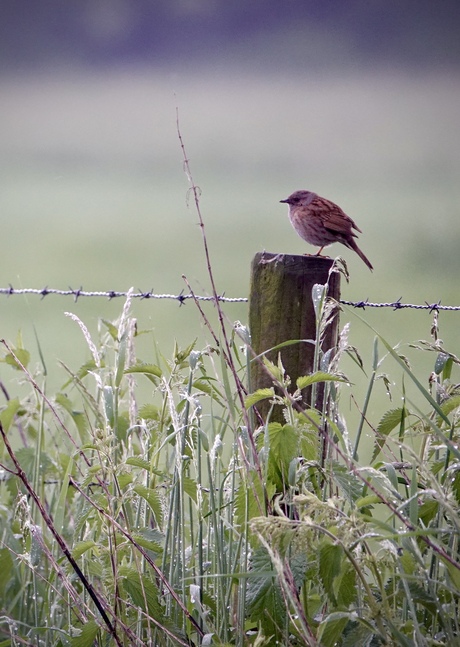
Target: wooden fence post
281 309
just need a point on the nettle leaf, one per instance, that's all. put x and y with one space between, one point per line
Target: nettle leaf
9 412
149 538
250 499
330 560
284 446
27 457
144 594
345 586
138 462
453 570
298 563
451 404
82 547
87 635
257 396
190 487
331 629
124 479
209 386
309 444
350 485
389 421
152 412
146 369
265 603
277 372
18 357
359 632
307 380
153 499
429 508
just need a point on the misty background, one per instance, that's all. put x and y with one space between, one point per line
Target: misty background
358 101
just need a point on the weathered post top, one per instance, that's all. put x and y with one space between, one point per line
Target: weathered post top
281 309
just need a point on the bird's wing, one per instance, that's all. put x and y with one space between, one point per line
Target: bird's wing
337 220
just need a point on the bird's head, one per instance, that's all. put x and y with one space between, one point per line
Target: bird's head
300 198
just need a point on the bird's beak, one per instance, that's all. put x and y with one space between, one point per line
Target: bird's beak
287 200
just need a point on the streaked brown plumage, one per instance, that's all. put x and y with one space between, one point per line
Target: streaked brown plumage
321 222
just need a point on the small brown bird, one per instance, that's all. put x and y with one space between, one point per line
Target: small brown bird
321 222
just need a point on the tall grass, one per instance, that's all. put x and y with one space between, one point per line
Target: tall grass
186 520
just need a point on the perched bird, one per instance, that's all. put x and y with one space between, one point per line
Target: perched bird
321 222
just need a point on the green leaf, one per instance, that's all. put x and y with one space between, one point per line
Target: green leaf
359 634
390 420
453 570
428 510
81 547
6 567
145 369
250 499
144 593
265 603
112 330
153 499
27 457
275 371
189 486
450 404
17 355
365 501
181 356
298 564
351 486
8 413
208 386
330 560
345 585
150 412
138 462
87 635
331 629
149 538
257 396
283 447
124 480
307 380
79 418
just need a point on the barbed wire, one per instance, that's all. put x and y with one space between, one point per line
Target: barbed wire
113 294
398 305
182 298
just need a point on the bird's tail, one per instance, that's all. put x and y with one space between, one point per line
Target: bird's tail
352 244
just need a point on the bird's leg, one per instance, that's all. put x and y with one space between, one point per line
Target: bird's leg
318 253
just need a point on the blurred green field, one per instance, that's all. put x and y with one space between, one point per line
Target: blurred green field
93 194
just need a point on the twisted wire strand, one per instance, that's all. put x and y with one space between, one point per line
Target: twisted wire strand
113 294
182 298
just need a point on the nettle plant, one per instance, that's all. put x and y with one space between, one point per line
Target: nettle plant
187 520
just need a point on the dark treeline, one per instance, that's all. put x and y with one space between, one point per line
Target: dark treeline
167 31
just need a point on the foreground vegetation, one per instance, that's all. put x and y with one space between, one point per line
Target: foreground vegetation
187 521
